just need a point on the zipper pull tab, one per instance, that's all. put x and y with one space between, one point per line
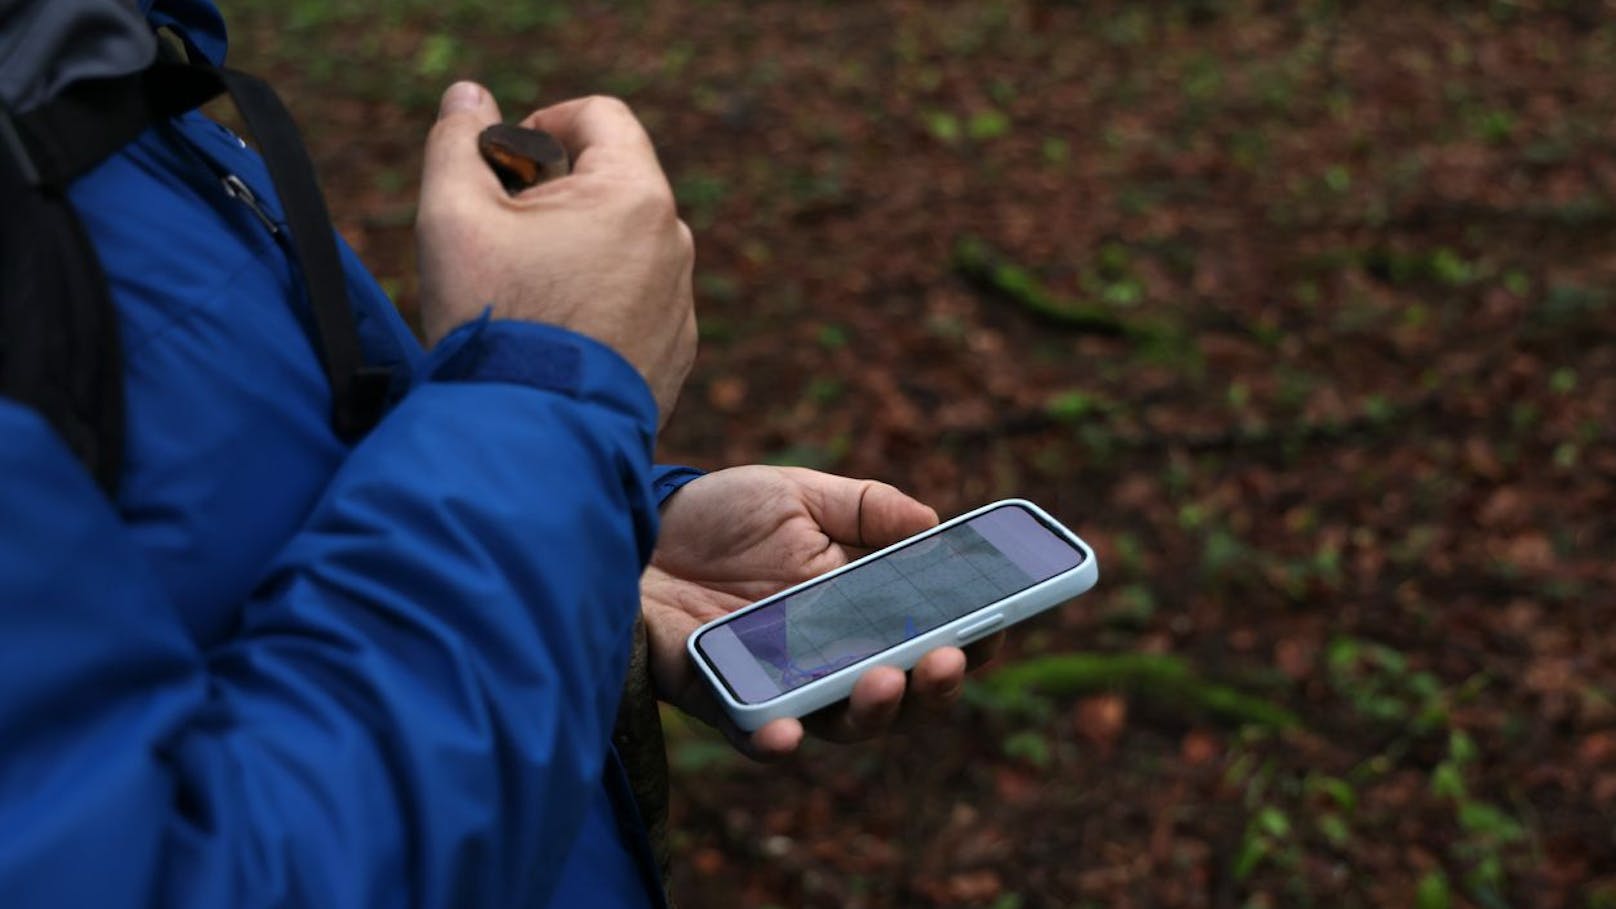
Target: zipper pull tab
237 188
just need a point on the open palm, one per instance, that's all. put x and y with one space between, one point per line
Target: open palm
738 535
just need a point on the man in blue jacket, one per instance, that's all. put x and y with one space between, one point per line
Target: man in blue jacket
280 669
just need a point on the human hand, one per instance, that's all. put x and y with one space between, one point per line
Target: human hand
735 536
601 251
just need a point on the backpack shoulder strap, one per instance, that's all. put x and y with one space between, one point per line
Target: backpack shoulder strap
61 140
59 350
58 327
358 392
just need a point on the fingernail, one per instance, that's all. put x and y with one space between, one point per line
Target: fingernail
460 96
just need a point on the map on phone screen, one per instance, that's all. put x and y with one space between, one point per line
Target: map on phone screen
912 590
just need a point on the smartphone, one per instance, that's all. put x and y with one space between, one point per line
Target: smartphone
803 648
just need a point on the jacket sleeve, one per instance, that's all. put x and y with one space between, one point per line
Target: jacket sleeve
667 479
417 704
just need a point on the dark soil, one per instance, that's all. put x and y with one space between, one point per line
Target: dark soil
1303 314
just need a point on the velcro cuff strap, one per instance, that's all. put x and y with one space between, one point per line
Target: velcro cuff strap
542 356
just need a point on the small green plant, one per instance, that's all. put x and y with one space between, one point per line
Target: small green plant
1075 405
1130 553
832 336
1030 746
1488 832
437 55
1447 268
1382 687
1335 801
1447 778
700 194
1495 126
986 125
718 286
1268 835
944 127
1432 891
1563 380
1131 608
1203 78
1224 555
825 389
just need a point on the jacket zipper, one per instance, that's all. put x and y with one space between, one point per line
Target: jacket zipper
237 188
234 187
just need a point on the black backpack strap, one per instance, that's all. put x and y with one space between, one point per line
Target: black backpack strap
59 346
62 359
58 327
358 392
57 142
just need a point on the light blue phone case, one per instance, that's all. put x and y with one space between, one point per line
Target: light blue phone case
973 625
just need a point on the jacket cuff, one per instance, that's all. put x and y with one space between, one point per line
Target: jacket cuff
540 356
667 479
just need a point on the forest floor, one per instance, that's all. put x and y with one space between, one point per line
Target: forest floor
1304 314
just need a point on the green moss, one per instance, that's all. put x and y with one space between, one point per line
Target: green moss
1166 681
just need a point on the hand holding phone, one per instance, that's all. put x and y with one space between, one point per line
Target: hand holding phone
804 648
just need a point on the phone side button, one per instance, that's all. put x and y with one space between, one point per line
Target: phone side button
979 628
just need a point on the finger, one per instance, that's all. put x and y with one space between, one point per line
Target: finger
867 712
775 740
451 163
769 743
978 653
863 513
937 680
599 132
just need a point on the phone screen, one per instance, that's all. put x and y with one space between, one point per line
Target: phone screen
907 592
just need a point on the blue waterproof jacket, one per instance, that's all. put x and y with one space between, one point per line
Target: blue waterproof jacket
278 670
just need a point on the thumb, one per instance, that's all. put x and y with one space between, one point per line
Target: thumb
887 515
861 513
451 162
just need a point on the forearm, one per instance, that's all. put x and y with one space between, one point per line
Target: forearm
414 708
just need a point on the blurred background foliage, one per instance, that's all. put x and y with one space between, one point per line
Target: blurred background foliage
1301 312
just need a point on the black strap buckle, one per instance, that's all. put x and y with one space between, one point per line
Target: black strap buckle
361 408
